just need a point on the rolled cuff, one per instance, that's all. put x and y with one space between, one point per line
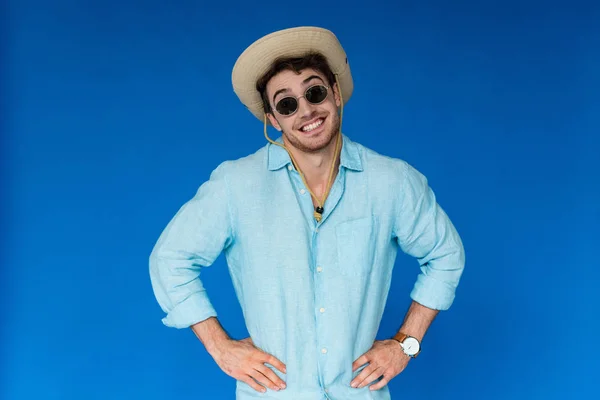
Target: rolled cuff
194 309
433 293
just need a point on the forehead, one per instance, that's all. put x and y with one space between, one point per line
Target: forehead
291 80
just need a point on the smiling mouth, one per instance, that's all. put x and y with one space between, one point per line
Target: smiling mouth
313 125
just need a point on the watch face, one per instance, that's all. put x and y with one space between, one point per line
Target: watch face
410 346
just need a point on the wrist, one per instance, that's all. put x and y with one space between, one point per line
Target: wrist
212 335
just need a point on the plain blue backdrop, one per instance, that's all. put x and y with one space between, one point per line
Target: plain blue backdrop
114 112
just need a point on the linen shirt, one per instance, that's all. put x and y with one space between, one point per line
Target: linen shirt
312 294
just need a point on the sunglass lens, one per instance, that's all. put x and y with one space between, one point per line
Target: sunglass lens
287 105
316 94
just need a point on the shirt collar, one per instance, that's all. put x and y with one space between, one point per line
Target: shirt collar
349 157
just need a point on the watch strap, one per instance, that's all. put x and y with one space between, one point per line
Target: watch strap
400 337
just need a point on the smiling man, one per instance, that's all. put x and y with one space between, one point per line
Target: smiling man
310 226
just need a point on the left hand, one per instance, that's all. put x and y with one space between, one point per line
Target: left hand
386 358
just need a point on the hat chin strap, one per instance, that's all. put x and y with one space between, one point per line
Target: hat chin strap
318 213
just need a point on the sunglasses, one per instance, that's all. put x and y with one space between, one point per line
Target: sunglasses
314 95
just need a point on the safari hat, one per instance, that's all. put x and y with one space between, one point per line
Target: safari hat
256 60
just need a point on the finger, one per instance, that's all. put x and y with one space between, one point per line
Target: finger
252 383
358 380
372 377
268 358
272 376
360 361
379 384
263 380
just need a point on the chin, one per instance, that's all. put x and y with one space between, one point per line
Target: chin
314 142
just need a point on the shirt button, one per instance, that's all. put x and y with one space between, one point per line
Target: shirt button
323 350
289 167
302 191
322 309
319 269
326 390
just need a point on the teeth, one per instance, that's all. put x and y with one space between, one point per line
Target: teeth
312 126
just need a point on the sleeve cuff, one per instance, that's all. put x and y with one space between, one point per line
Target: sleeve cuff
194 309
432 293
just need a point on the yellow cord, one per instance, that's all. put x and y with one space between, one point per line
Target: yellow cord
338 142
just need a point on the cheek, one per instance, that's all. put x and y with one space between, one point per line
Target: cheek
290 125
332 106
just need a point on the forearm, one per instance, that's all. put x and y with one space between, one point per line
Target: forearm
211 334
417 320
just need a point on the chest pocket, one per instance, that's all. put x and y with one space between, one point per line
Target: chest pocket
356 246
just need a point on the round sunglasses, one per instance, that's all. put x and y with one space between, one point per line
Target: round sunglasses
314 95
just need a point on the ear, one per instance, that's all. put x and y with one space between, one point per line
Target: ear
274 122
336 95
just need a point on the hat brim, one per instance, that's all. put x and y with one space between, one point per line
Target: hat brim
257 59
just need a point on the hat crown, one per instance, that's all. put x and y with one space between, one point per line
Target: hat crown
258 58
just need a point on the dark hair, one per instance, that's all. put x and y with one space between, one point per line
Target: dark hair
314 61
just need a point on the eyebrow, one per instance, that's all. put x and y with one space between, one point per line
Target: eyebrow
303 82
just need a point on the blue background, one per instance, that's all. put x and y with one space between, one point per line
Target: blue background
113 113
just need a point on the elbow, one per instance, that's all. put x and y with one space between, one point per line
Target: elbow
157 280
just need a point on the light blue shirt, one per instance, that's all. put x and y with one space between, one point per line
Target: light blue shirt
312 295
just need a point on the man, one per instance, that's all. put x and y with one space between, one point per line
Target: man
310 225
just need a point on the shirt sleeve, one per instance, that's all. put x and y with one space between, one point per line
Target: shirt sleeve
424 231
193 239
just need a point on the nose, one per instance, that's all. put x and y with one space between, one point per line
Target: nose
305 108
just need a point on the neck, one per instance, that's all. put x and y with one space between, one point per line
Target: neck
316 166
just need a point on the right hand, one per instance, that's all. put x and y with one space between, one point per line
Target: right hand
245 362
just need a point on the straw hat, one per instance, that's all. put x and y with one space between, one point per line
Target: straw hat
256 60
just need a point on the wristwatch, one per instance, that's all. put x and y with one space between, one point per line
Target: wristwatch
409 344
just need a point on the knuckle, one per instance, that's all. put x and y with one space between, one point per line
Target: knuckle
272 377
257 361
